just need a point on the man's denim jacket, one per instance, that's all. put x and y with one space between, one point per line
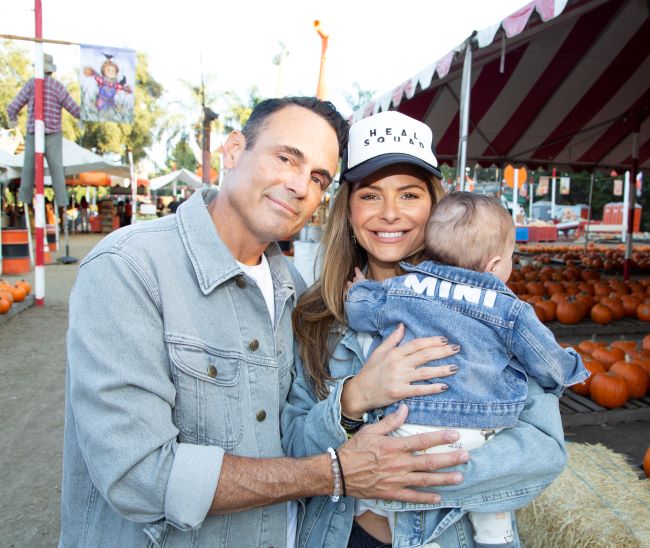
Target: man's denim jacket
498 477
172 361
502 341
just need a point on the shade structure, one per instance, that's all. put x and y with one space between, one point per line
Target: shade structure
558 83
183 176
76 159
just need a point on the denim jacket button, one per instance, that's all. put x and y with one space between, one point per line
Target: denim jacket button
241 282
254 345
260 415
341 507
212 371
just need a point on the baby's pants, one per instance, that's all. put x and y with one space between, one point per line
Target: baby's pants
490 529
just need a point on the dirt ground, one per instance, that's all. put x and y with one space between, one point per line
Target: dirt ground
32 369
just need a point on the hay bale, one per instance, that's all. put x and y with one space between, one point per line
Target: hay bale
598 501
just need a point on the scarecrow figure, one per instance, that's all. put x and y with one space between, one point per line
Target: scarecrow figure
107 84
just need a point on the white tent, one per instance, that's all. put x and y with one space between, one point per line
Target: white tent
76 159
183 176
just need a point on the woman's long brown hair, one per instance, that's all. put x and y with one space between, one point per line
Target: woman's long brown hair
320 311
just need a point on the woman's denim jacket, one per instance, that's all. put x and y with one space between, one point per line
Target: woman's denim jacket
501 339
172 361
500 476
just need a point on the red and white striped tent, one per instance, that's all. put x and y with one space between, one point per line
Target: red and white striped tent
561 83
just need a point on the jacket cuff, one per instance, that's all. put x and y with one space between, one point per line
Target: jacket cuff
335 410
192 484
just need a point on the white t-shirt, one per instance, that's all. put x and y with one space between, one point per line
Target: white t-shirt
261 273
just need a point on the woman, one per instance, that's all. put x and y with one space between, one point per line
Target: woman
378 219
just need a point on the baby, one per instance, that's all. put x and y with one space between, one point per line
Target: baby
461 294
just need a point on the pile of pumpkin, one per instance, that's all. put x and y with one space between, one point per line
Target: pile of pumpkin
619 371
12 293
571 294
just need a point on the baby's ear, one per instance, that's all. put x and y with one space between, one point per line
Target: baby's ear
492 263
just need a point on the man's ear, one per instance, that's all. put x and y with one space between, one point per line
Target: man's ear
233 147
492 263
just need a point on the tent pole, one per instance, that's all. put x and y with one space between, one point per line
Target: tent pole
631 205
591 193
466 86
553 180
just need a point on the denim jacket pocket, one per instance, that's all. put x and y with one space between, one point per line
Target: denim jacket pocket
208 396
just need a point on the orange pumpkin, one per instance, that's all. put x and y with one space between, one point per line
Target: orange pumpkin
569 311
589 345
615 305
608 356
593 367
643 312
625 345
5 305
25 285
646 462
608 390
635 376
601 314
7 294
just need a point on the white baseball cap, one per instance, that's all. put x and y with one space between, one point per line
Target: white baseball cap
385 139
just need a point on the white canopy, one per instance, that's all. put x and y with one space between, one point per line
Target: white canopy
184 176
76 159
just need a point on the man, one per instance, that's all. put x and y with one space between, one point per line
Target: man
55 98
174 390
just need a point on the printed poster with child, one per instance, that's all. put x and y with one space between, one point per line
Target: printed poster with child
107 81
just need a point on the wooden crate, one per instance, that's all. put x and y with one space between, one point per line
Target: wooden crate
577 410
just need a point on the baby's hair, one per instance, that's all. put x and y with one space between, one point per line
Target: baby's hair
467 230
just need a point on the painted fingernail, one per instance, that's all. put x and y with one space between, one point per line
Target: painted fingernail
455 347
443 387
464 457
444 340
457 478
453 368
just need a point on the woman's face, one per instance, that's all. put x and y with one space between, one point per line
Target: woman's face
388 214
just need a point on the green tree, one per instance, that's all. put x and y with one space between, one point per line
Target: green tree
182 156
358 97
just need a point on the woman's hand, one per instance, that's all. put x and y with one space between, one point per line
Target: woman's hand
388 373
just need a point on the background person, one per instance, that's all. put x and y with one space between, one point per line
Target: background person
378 219
55 98
174 392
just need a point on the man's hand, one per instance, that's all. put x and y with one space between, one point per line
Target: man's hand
376 465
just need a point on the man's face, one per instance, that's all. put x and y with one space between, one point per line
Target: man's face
274 187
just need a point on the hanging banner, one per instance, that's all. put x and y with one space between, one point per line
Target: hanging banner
542 187
618 187
107 81
565 185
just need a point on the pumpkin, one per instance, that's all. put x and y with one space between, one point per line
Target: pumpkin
593 367
601 314
569 311
548 306
615 305
5 305
589 345
608 390
643 312
646 462
630 304
625 345
635 376
25 285
539 312
18 293
608 356
7 294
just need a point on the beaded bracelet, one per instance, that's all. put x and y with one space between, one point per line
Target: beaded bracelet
338 461
336 471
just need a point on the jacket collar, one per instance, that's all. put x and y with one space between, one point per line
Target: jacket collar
211 259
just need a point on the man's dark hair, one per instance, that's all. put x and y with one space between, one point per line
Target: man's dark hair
324 109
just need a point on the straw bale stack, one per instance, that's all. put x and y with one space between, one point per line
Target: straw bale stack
598 501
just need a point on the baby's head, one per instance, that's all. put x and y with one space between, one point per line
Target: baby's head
471 231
